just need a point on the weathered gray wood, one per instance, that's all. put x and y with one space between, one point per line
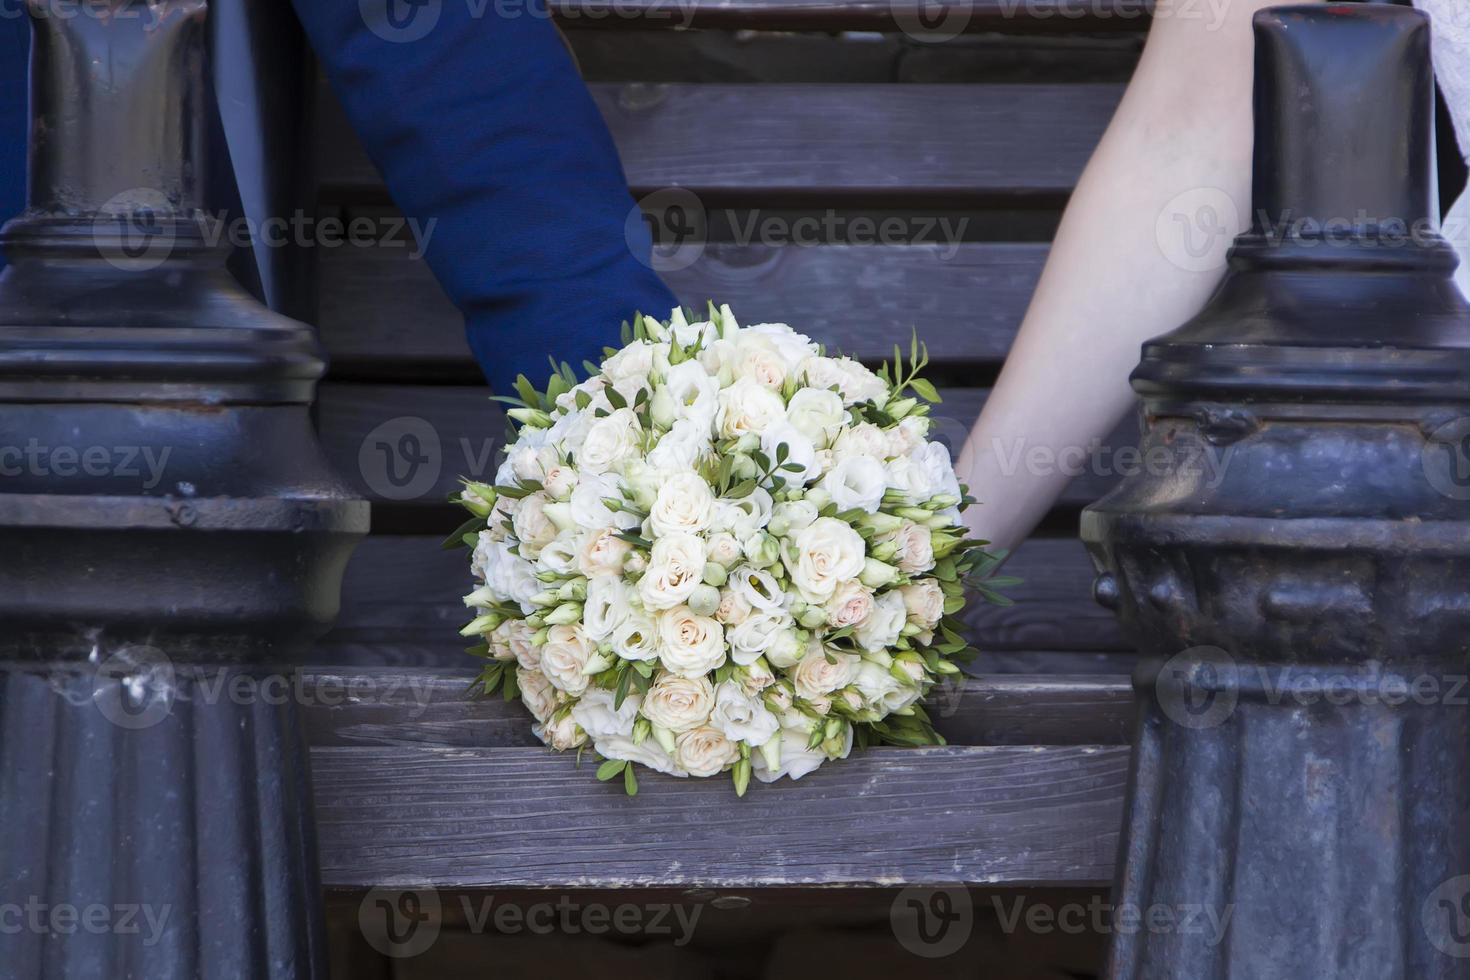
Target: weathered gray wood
436 708
955 143
458 431
407 590
485 818
1010 16
381 312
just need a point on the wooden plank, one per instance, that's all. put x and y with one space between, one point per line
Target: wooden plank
490 818
435 708
410 444
953 143
382 312
950 17
407 590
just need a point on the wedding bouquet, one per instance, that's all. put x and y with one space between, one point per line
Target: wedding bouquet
724 551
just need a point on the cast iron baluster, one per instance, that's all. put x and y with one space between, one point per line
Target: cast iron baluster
171 540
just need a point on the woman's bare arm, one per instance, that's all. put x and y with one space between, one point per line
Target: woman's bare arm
1136 255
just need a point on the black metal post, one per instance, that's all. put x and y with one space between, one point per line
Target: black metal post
1301 782
171 540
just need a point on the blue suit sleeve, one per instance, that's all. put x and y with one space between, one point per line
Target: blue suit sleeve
15 42
481 124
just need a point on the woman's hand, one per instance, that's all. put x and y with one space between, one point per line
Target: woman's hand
1141 247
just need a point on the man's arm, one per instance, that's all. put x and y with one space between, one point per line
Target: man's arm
482 125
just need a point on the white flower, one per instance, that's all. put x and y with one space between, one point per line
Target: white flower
850 605
636 638
690 645
856 482
533 528
817 414
793 347
633 362
874 682
855 382
561 735
594 711
537 694
526 462
705 752
687 334
905 437
757 359
883 626
817 674
827 552
733 609
675 570
924 602
785 649
723 549
755 635
933 459
757 588
684 504
800 452
563 655
508 639
748 408
741 717
610 441
679 703
791 516
756 677
908 476
559 481
796 759
647 753
692 394
915 548
607 607
863 439
507 575
560 556
588 509
681 447
744 516
601 553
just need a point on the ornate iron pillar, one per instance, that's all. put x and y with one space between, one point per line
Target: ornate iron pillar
171 540
1300 794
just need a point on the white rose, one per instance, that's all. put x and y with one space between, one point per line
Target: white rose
690 645
684 504
915 548
675 570
607 607
793 347
594 711
561 735
533 528
563 655
647 753
747 408
636 638
682 446
507 639
863 439
587 508
800 452
723 549
817 675
755 635
818 414
601 553
827 552
705 752
791 516
610 441
883 627
856 481
924 602
559 482
850 605
907 435
757 359
526 463
537 694
758 588
874 683
855 382
755 677
785 650
633 362
741 717
907 476
507 575
679 703
733 609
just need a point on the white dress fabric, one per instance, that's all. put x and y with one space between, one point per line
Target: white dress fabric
1451 19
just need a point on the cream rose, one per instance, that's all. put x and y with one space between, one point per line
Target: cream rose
793 347
733 609
562 734
855 382
907 435
565 652
602 553
747 408
723 549
537 694
924 602
684 505
560 481
689 645
914 544
533 528
609 441
705 752
817 675
826 553
882 628
633 362
850 605
679 703
856 482
863 439
675 570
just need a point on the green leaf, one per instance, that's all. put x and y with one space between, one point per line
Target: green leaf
783 451
926 390
610 768
615 399
625 680
512 686
630 782
456 539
